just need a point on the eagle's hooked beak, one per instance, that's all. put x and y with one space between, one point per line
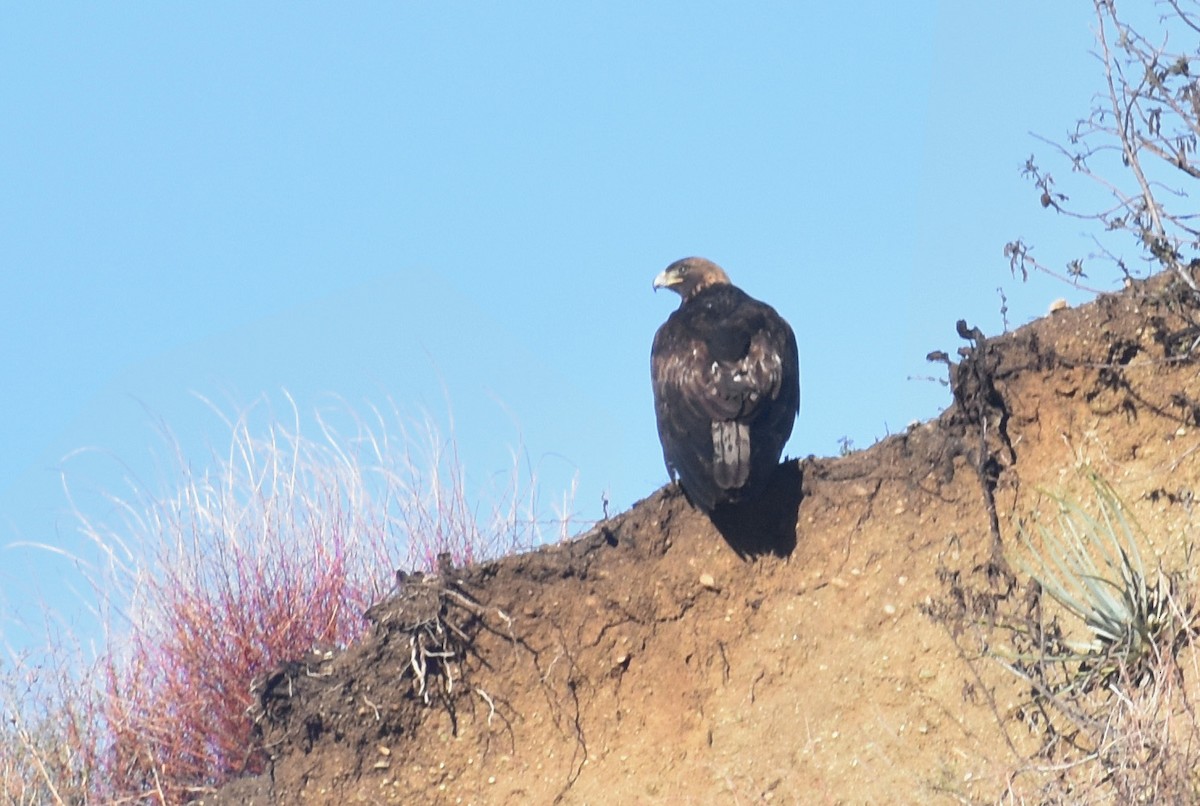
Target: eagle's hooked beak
666 279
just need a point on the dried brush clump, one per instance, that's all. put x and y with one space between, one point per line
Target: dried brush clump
277 547
1107 652
1110 656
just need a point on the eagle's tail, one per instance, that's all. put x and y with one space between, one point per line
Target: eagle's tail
731 454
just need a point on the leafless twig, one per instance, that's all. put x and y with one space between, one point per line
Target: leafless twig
1136 146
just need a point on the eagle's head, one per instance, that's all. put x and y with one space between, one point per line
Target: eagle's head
690 276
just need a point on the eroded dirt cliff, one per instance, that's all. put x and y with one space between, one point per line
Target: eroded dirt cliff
789 656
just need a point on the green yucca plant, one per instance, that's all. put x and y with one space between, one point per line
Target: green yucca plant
1091 565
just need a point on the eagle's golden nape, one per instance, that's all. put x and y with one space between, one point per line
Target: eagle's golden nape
690 276
726 377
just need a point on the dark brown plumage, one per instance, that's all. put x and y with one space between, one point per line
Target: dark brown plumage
726 375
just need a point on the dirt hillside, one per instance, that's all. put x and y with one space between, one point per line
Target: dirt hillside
788 655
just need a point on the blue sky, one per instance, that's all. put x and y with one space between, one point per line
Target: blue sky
425 202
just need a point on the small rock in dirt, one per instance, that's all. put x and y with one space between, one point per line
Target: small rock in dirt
707 581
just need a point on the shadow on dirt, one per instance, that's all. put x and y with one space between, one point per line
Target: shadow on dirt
766 525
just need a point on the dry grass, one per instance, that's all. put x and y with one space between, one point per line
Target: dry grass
1133 741
50 743
277 547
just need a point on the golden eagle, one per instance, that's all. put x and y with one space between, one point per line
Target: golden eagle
726 376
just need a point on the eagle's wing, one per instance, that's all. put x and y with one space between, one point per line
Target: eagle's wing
730 375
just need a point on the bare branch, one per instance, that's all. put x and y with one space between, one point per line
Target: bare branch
1147 116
